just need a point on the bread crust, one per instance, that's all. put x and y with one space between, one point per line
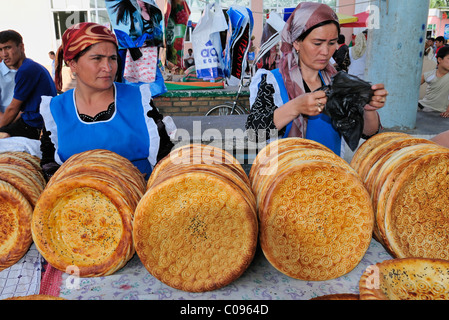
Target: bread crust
406 279
15 223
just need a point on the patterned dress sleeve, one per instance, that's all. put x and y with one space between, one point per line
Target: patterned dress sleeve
259 124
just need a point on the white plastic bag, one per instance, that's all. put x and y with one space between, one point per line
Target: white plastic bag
206 43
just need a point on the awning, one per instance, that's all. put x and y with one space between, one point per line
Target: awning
344 18
361 22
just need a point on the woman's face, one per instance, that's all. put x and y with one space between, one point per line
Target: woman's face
97 68
318 47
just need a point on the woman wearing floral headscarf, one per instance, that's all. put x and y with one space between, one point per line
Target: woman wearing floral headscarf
285 100
99 113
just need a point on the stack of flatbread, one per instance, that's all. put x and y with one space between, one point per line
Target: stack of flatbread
82 223
195 228
315 214
408 181
21 183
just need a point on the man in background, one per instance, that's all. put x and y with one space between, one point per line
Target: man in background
32 81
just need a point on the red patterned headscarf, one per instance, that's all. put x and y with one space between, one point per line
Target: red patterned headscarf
76 39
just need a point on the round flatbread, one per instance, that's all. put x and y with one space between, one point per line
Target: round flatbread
406 279
365 149
316 221
269 153
197 154
194 231
85 223
416 222
15 225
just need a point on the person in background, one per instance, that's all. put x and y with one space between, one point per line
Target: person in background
52 57
99 113
439 43
7 83
286 100
189 60
437 80
357 56
32 81
341 55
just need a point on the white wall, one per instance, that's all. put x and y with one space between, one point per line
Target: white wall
33 19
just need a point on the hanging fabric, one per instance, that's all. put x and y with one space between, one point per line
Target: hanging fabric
143 69
177 14
240 28
206 43
138 25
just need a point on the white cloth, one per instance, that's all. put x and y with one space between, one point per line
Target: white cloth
357 66
21 144
24 277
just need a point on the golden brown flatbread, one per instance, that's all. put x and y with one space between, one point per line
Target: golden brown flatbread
197 154
406 279
83 223
316 221
29 163
365 149
84 216
416 223
382 151
268 154
15 225
384 181
195 231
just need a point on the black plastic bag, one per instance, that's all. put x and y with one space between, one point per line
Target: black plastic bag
347 96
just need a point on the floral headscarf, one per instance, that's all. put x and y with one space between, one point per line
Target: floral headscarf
76 39
305 16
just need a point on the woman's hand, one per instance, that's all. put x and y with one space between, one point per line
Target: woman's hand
379 98
311 104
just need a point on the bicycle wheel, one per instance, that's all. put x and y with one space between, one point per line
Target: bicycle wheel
224 109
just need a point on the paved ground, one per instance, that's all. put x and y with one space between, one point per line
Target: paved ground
429 123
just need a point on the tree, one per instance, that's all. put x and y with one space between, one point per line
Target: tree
439 3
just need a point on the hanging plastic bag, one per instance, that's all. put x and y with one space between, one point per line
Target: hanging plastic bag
206 43
347 96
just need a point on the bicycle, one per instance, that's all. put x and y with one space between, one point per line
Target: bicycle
229 107
233 107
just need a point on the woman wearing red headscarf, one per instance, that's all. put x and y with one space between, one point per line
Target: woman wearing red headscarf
285 100
99 113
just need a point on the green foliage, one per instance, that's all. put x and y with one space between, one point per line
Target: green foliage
439 3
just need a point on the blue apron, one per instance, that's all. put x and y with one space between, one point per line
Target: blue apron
126 133
319 128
